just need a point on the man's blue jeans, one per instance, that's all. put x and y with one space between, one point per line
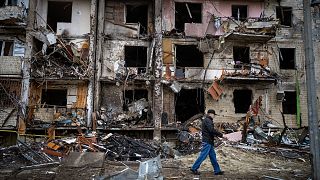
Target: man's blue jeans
207 149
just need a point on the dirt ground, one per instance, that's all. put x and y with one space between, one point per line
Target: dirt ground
243 164
237 163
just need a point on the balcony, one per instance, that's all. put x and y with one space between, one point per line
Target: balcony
10 66
252 30
248 72
12 15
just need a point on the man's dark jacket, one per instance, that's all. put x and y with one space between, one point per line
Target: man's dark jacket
208 131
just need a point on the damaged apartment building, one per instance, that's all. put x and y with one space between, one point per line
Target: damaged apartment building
147 67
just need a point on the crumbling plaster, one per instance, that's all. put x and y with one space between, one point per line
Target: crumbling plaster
115 19
270 105
209 9
113 56
112 95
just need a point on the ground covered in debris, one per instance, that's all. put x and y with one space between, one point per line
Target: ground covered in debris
238 162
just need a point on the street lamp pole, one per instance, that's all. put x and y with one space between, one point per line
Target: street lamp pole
311 92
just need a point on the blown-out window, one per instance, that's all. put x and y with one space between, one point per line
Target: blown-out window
59 11
187 13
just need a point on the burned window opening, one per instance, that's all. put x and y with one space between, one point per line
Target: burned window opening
284 14
136 56
239 12
130 96
138 14
58 12
287 58
6 48
241 55
289 104
57 97
187 13
242 100
189 102
188 56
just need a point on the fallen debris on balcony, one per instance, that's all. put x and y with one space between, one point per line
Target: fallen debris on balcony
135 116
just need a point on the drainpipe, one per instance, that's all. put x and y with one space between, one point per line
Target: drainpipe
157 89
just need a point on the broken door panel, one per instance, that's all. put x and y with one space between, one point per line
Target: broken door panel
81 95
167 51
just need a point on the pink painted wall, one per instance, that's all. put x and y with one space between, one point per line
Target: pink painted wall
209 8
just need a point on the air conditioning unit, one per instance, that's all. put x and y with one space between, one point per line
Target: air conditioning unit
280 95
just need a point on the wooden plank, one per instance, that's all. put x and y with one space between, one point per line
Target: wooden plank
167 51
82 96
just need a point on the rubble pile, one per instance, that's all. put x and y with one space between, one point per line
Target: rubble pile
58 58
60 117
119 147
136 115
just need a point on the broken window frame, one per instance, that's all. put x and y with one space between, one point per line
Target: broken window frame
128 100
191 15
141 69
241 104
142 30
246 54
284 59
55 26
289 106
65 91
284 14
177 59
240 16
3 46
199 104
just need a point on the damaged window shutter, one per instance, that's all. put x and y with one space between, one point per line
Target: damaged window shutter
18 49
215 91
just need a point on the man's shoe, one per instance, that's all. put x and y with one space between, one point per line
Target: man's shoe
195 172
219 173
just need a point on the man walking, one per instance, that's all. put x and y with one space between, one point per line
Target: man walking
208 133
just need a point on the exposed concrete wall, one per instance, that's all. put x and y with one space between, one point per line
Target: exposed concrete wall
209 9
112 96
10 65
287 37
80 21
113 56
316 49
270 105
115 19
